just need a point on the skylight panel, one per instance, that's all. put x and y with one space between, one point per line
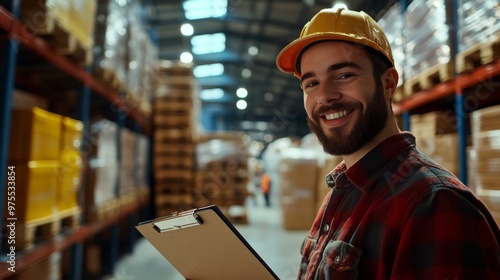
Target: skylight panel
198 9
208 70
208 43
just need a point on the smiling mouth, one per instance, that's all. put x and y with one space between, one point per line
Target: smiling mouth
336 115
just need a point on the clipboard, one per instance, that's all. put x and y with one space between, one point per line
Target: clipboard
202 244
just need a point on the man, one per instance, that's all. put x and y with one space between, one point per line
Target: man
392 213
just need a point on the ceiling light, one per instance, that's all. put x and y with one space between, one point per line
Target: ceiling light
241 92
241 104
198 9
187 29
253 51
246 73
208 70
211 94
186 57
208 43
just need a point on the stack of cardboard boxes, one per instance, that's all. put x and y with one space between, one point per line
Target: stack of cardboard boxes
436 130
486 163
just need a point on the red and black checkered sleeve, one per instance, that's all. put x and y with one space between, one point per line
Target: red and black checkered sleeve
449 235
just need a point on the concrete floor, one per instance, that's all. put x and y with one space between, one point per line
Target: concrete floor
279 248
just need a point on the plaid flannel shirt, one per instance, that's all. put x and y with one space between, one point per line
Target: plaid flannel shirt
396 214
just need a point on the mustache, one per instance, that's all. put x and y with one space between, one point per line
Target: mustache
334 107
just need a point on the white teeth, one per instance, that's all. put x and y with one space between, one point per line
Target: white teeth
336 115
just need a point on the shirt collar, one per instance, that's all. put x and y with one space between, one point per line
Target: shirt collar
367 170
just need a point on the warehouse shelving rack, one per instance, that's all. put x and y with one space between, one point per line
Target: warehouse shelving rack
478 77
15 33
485 77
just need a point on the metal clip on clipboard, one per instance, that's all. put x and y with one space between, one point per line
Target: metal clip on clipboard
177 221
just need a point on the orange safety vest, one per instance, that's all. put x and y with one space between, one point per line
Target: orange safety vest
265 183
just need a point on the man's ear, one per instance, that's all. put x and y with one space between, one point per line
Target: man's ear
390 82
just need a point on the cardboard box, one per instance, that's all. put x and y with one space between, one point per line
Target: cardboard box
434 123
298 209
298 173
298 181
34 135
434 148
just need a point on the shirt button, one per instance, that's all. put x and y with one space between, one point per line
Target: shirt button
326 227
337 260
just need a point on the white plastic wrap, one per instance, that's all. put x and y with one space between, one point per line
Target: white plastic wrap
110 51
478 21
427 36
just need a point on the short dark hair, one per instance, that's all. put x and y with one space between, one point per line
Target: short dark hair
380 63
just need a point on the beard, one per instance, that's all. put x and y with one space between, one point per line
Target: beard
370 123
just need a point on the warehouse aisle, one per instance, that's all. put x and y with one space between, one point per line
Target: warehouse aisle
279 249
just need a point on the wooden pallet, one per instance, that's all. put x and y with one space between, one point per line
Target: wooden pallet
174 95
173 120
174 148
173 135
167 204
479 54
184 106
173 188
28 233
169 161
428 78
173 174
44 23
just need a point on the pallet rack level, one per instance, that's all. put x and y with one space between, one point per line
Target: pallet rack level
17 33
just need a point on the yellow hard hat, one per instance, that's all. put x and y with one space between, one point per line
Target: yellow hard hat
335 24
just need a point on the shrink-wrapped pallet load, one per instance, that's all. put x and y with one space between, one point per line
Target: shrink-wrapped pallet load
427 46
101 191
478 33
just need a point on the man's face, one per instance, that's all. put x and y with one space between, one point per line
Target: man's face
345 105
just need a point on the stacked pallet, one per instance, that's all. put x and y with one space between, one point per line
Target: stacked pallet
486 163
427 47
222 173
44 174
478 39
435 130
64 24
175 110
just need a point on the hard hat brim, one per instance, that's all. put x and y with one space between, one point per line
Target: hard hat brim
286 60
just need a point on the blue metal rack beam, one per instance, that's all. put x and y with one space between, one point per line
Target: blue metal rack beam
6 89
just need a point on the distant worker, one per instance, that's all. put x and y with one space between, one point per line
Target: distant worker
265 186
